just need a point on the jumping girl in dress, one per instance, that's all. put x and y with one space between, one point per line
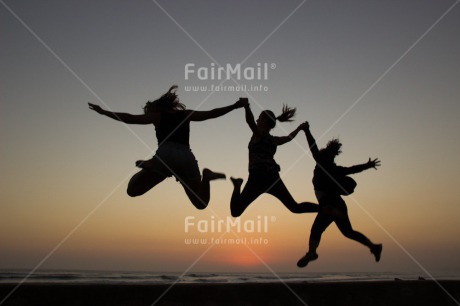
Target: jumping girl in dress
263 170
329 186
173 156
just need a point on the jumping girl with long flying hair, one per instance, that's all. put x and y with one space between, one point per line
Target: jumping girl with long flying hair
173 156
263 170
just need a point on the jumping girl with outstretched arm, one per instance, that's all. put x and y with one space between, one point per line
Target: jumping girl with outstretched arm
173 156
329 186
263 170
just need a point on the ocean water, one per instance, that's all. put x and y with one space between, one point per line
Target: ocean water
104 277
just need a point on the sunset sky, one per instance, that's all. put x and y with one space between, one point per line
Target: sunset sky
383 76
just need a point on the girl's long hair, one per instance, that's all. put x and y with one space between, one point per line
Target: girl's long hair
167 102
286 116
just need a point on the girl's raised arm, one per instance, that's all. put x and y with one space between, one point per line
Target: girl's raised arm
250 119
127 118
311 141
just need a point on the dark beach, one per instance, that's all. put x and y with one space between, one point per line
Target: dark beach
420 293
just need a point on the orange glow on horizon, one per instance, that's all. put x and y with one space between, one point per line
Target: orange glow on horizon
236 256
243 261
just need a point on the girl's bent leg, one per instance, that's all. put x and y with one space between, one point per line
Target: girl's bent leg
240 201
199 191
322 221
198 195
143 181
236 197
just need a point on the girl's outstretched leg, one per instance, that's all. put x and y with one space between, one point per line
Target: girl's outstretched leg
343 223
279 190
199 191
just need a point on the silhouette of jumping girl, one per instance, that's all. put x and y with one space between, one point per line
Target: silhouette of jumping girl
328 184
173 156
263 170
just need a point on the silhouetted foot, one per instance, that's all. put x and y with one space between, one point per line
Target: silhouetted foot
377 251
210 176
237 182
303 262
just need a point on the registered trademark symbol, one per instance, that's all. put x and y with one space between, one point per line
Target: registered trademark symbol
273 218
272 65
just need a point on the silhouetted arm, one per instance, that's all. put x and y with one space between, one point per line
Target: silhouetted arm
311 141
127 118
217 112
285 139
359 168
250 120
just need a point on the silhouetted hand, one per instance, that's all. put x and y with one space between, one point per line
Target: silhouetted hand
373 163
242 102
96 108
305 126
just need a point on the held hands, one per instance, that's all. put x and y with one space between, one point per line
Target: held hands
96 108
305 126
242 102
373 163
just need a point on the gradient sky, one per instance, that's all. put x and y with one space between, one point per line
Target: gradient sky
65 168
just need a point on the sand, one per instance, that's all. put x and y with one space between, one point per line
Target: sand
379 293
